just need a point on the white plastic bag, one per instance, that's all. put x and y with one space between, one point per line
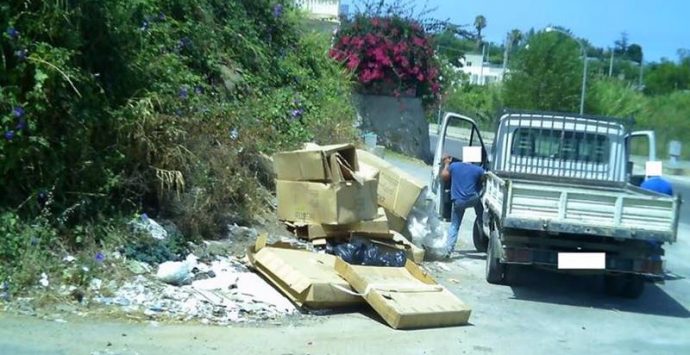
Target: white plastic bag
425 229
177 272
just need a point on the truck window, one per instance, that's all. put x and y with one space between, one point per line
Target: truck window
560 145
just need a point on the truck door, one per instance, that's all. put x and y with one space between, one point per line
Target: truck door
641 147
457 131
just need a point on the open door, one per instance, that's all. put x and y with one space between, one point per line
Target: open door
639 143
457 131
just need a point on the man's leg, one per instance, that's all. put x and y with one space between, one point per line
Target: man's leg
479 210
455 220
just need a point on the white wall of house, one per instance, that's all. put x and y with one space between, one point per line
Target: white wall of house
321 9
479 72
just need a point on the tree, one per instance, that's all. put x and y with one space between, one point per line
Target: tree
634 53
479 25
621 45
514 38
545 75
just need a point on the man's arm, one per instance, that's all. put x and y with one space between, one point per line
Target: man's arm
445 173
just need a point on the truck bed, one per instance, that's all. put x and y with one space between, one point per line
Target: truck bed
619 212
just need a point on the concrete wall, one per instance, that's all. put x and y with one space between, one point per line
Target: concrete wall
399 123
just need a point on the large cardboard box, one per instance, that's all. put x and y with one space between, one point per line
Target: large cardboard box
405 297
397 190
331 163
376 226
344 202
306 278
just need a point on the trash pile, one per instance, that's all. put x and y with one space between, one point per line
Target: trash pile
353 207
221 292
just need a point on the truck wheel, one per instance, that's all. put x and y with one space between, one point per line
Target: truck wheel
495 270
481 242
626 286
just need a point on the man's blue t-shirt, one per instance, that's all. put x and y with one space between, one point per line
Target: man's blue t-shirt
659 185
465 181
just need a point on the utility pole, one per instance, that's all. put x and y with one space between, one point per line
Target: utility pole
506 45
639 84
481 68
611 64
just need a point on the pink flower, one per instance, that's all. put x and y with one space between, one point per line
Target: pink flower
419 42
345 40
375 22
353 62
420 77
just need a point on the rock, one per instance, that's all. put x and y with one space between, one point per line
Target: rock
236 232
148 226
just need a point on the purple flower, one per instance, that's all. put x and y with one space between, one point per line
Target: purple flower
21 125
18 111
100 257
144 218
9 135
184 93
21 54
277 10
297 113
13 33
161 16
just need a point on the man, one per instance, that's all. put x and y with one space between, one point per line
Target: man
465 185
658 184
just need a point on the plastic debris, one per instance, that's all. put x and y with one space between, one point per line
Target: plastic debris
177 272
425 230
44 280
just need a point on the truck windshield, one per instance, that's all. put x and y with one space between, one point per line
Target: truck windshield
561 145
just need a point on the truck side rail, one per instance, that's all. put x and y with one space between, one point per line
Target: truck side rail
628 214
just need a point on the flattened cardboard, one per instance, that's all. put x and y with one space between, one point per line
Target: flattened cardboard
331 163
376 226
405 297
306 278
397 190
345 202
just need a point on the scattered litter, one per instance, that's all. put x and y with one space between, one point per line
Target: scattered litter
60 320
69 258
228 293
44 280
95 284
138 267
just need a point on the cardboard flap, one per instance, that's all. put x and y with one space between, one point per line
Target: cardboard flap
405 297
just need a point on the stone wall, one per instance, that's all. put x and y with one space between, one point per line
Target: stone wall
398 122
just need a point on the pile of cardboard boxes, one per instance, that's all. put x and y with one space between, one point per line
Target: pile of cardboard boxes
334 194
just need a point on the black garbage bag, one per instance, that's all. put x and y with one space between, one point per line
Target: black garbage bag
352 253
377 256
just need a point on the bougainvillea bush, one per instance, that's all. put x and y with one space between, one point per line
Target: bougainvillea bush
389 55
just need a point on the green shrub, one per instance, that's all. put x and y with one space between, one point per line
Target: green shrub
118 106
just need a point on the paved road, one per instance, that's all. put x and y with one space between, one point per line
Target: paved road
572 314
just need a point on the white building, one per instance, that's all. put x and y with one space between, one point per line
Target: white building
328 10
480 72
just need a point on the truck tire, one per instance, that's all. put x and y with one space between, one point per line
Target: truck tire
481 242
626 286
495 270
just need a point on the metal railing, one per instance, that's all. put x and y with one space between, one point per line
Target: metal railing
562 146
320 8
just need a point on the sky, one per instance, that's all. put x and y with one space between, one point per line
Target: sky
661 27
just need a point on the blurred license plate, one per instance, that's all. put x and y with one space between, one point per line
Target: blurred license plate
582 261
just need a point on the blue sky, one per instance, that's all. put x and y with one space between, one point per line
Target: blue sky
661 27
